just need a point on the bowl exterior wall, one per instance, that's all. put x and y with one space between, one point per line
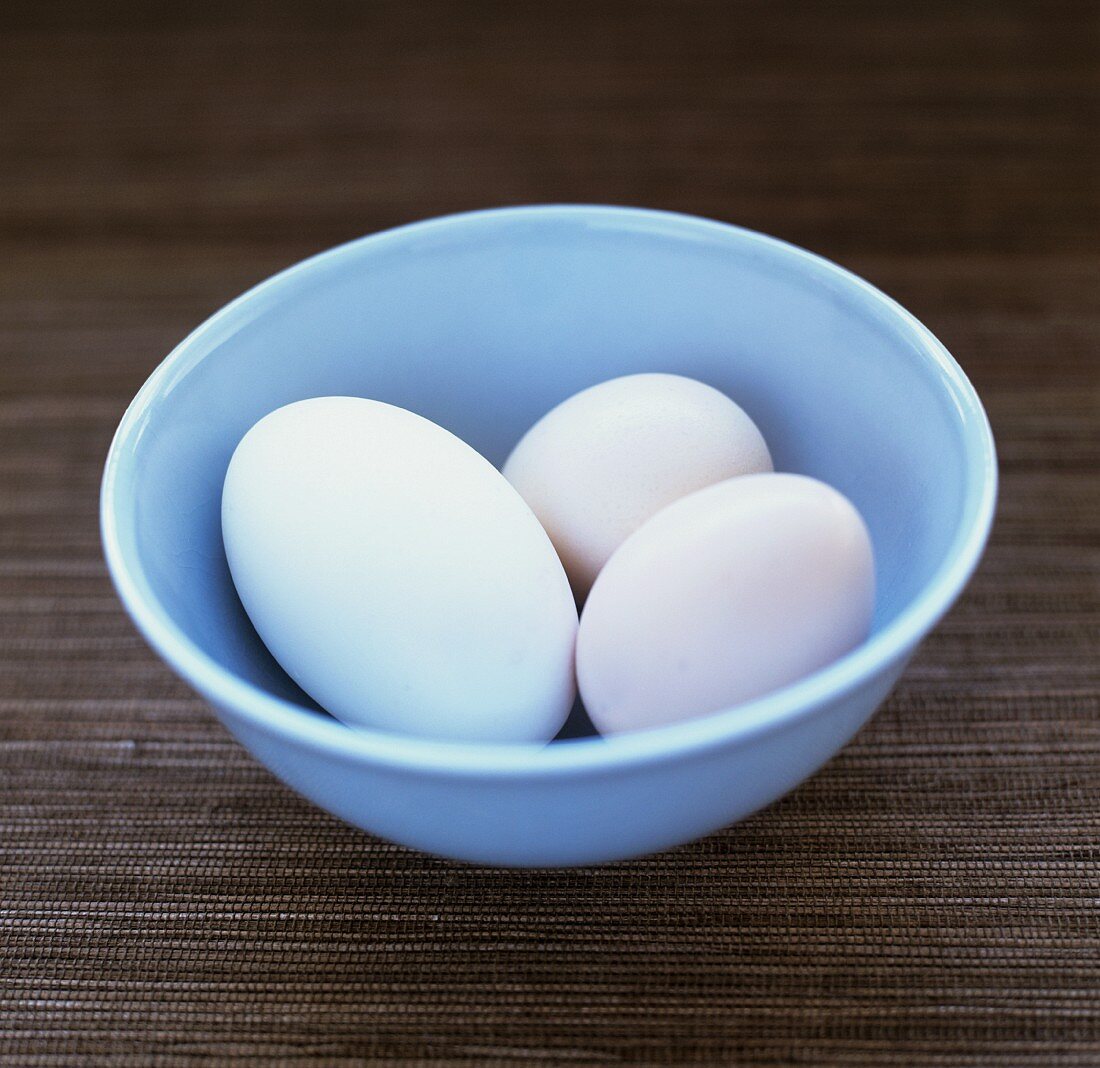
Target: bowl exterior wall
590 817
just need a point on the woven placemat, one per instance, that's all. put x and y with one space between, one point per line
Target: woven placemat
930 898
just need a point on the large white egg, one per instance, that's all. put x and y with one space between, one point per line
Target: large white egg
602 462
396 575
726 594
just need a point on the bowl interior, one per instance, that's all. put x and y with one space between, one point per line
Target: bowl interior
484 322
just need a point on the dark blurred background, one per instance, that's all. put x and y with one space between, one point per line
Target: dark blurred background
847 127
930 898
192 148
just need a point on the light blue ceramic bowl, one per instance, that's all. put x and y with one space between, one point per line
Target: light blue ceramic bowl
483 322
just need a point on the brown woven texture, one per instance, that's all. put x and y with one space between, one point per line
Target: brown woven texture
930 898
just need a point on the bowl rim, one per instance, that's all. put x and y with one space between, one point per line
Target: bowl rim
239 699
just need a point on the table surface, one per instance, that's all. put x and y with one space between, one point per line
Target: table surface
930 898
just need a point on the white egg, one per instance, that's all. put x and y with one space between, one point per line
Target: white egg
396 575
602 462
726 594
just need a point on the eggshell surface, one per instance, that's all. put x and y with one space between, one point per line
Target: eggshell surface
728 593
396 576
602 462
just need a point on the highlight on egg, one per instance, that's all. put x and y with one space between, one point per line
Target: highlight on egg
397 576
603 461
727 594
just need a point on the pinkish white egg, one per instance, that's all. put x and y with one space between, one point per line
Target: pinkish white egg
728 593
602 462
